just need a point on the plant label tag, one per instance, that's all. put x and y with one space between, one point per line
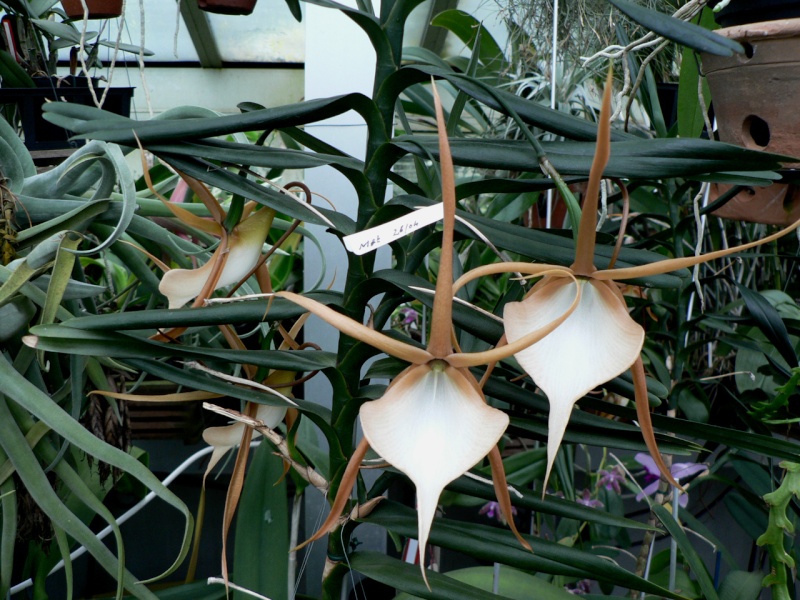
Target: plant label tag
362 242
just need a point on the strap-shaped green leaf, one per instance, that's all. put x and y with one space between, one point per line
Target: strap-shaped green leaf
689 553
41 406
261 551
120 130
469 29
496 545
63 338
11 169
67 31
686 34
254 311
406 577
529 111
68 219
770 323
552 506
8 531
30 473
733 438
63 548
640 159
62 269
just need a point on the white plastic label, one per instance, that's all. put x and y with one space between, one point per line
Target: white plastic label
362 242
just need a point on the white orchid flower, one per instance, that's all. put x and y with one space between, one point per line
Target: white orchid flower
599 340
433 423
226 437
235 257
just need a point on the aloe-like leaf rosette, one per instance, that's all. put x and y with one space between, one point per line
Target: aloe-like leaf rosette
433 422
599 340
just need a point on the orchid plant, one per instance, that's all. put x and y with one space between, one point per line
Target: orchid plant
486 378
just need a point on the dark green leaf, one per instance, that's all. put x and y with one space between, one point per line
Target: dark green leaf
689 553
406 577
553 505
687 34
61 338
261 551
640 159
221 314
770 323
497 545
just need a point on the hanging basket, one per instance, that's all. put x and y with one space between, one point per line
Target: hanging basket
751 95
227 7
98 9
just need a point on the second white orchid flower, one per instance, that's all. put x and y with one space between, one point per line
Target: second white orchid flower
599 340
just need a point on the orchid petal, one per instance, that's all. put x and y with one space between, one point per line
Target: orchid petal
439 343
584 248
684 470
244 250
342 494
361 332
597 342
203 224
228 436
644 459
503 498
674 264
648 490
503 351
645 423
433 425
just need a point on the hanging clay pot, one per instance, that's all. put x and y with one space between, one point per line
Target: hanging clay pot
753 96
227 7
98 9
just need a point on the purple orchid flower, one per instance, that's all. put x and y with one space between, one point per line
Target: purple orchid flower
652 475
492 510
586 499
408 315
611 479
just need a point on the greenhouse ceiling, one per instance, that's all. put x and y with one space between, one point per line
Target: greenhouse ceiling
181 33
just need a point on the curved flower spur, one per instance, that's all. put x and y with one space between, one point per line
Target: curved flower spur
599 340
433 422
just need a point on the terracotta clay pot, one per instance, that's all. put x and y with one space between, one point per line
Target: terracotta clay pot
98 9
753 96
227 7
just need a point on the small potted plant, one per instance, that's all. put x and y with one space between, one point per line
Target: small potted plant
96 9
29 51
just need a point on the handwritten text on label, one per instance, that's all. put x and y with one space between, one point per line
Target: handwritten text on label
375 237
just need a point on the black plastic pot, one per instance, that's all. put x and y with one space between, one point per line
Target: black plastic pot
741 12
43 135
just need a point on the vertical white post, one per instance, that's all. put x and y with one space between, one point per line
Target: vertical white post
339 60
553 86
